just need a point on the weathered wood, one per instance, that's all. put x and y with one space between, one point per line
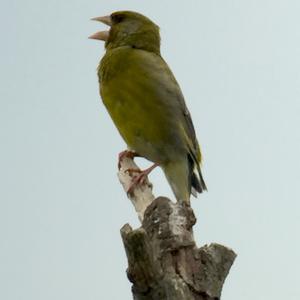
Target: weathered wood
142 195
163 259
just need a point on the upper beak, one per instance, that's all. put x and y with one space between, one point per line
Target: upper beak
106 20
101 35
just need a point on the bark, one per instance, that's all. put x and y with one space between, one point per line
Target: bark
163 259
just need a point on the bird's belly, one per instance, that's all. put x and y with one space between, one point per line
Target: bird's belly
144 126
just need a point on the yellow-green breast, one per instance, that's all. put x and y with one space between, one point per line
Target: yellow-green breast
141 95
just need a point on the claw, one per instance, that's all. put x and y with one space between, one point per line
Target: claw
130 171
139 179
126 153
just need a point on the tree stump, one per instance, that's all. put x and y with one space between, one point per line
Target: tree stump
163 259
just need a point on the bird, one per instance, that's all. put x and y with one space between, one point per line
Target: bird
146 104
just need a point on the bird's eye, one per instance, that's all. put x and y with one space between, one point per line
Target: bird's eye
117 18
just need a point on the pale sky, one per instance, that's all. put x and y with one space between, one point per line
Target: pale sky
61 205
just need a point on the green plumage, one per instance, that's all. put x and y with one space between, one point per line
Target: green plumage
145 102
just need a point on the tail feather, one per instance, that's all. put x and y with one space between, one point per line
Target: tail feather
185 178
177 173
196 179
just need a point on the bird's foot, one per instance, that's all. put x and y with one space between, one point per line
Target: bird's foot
139 179
126 153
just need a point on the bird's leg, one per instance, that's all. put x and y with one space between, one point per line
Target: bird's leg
126 153
140 178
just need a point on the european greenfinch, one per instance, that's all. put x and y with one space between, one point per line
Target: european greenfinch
145 101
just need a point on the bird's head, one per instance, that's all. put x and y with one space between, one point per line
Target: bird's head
131 29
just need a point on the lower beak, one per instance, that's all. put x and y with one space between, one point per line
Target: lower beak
101 35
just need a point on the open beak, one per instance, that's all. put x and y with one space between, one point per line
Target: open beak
101 35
